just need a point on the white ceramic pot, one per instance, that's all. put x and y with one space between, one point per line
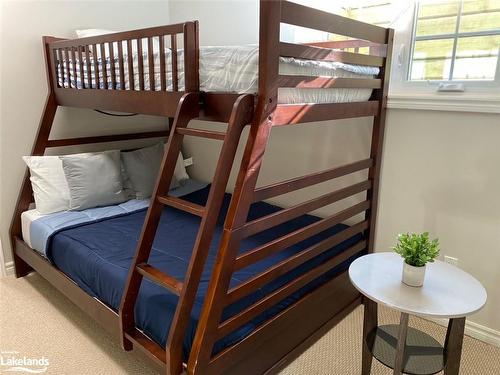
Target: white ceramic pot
413 276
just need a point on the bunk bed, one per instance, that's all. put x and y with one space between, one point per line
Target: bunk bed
249 271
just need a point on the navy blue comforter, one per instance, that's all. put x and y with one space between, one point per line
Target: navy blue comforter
97 257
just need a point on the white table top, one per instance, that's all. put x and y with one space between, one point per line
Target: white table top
448 292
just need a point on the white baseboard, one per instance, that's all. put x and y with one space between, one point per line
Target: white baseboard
477 331
9 268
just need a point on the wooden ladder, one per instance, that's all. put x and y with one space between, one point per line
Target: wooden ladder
186 289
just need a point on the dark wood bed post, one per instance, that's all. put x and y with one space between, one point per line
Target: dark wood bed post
41 140
377 142
269 31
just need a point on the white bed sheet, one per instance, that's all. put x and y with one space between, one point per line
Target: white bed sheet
235 69
27 217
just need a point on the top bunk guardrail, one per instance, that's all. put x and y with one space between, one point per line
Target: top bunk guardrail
133 71
375 39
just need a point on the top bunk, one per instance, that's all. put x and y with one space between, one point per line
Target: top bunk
147 71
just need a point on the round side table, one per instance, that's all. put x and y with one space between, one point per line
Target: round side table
448 292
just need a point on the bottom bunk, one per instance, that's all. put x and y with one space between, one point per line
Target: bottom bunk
96 255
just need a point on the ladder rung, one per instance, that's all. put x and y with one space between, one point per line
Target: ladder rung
150 348
202 133
154 274
183 205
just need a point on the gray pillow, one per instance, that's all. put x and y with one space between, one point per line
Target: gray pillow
94 179
142 167
128 189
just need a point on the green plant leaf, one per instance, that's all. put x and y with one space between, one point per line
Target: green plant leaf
417 249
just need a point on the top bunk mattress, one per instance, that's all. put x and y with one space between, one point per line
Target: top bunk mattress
234 69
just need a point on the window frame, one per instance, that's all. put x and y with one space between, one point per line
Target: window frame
495 82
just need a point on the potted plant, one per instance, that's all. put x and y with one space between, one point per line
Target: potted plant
416 250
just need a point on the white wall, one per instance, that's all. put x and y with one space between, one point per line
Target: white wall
221 22
441 174
24 88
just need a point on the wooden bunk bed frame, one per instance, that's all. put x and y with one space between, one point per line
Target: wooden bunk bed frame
281 338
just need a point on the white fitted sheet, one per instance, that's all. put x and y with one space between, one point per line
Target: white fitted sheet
27 217
235 69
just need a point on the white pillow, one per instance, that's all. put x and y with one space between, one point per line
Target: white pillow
95 32
180 169
48 182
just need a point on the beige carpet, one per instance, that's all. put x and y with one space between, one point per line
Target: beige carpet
36 320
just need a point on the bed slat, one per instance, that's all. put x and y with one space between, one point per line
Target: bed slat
112 65
281 243
290 114
140 64
104 65
56 67
311 18
73 61
121 66
68 68
375 49
307 82
131 80
284 187
60 59
306 52
270 300
80 65
282 216
163 73
175 82
151 64
96 67
272 273
163 83
88 67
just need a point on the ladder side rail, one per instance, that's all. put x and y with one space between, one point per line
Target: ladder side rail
377 140
187 109
241 115
269 37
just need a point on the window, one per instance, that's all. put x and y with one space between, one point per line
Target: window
436 42
456 40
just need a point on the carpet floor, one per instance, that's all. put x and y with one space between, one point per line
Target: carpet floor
36 320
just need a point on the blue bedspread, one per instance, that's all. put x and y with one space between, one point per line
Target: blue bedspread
43 228
97 257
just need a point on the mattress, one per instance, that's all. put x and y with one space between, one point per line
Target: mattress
235 69
37 229
97 257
